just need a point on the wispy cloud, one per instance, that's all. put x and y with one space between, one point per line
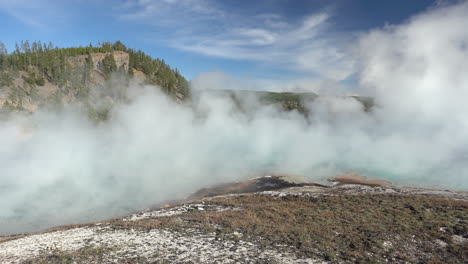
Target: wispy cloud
169 13
306 45
39 14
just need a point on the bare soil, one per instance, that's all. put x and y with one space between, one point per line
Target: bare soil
299 224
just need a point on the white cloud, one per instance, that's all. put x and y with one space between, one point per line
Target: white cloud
257 36
169 12
206 28
305 47
420 66
44 15
222 81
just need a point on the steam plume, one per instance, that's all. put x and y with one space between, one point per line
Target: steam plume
60 168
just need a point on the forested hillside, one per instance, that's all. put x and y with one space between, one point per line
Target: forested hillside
287 101
36 74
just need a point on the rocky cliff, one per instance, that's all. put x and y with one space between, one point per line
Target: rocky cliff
31 80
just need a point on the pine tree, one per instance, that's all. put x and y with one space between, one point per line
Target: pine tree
3 56
109 64
119 46
3 49
88 68
131 63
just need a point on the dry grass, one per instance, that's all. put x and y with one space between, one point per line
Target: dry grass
363 228
86 255
342 228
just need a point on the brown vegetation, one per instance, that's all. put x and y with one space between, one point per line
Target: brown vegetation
337 225
361 228
358 179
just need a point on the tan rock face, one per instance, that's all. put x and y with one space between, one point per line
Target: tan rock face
29 105
139 74
24 96
47 89
76 83
121 58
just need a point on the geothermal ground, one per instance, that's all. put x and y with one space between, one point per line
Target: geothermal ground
293 224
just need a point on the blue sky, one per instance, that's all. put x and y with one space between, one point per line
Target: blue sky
264 39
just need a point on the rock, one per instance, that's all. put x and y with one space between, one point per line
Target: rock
263 183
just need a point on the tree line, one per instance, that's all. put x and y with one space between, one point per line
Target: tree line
47 61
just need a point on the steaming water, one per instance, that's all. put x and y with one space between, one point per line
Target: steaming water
60 168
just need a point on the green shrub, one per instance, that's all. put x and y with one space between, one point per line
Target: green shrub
5 79
40 81
29 80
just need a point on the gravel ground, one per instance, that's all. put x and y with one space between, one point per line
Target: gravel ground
124 241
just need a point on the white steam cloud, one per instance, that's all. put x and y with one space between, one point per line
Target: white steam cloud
219 80
60 168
